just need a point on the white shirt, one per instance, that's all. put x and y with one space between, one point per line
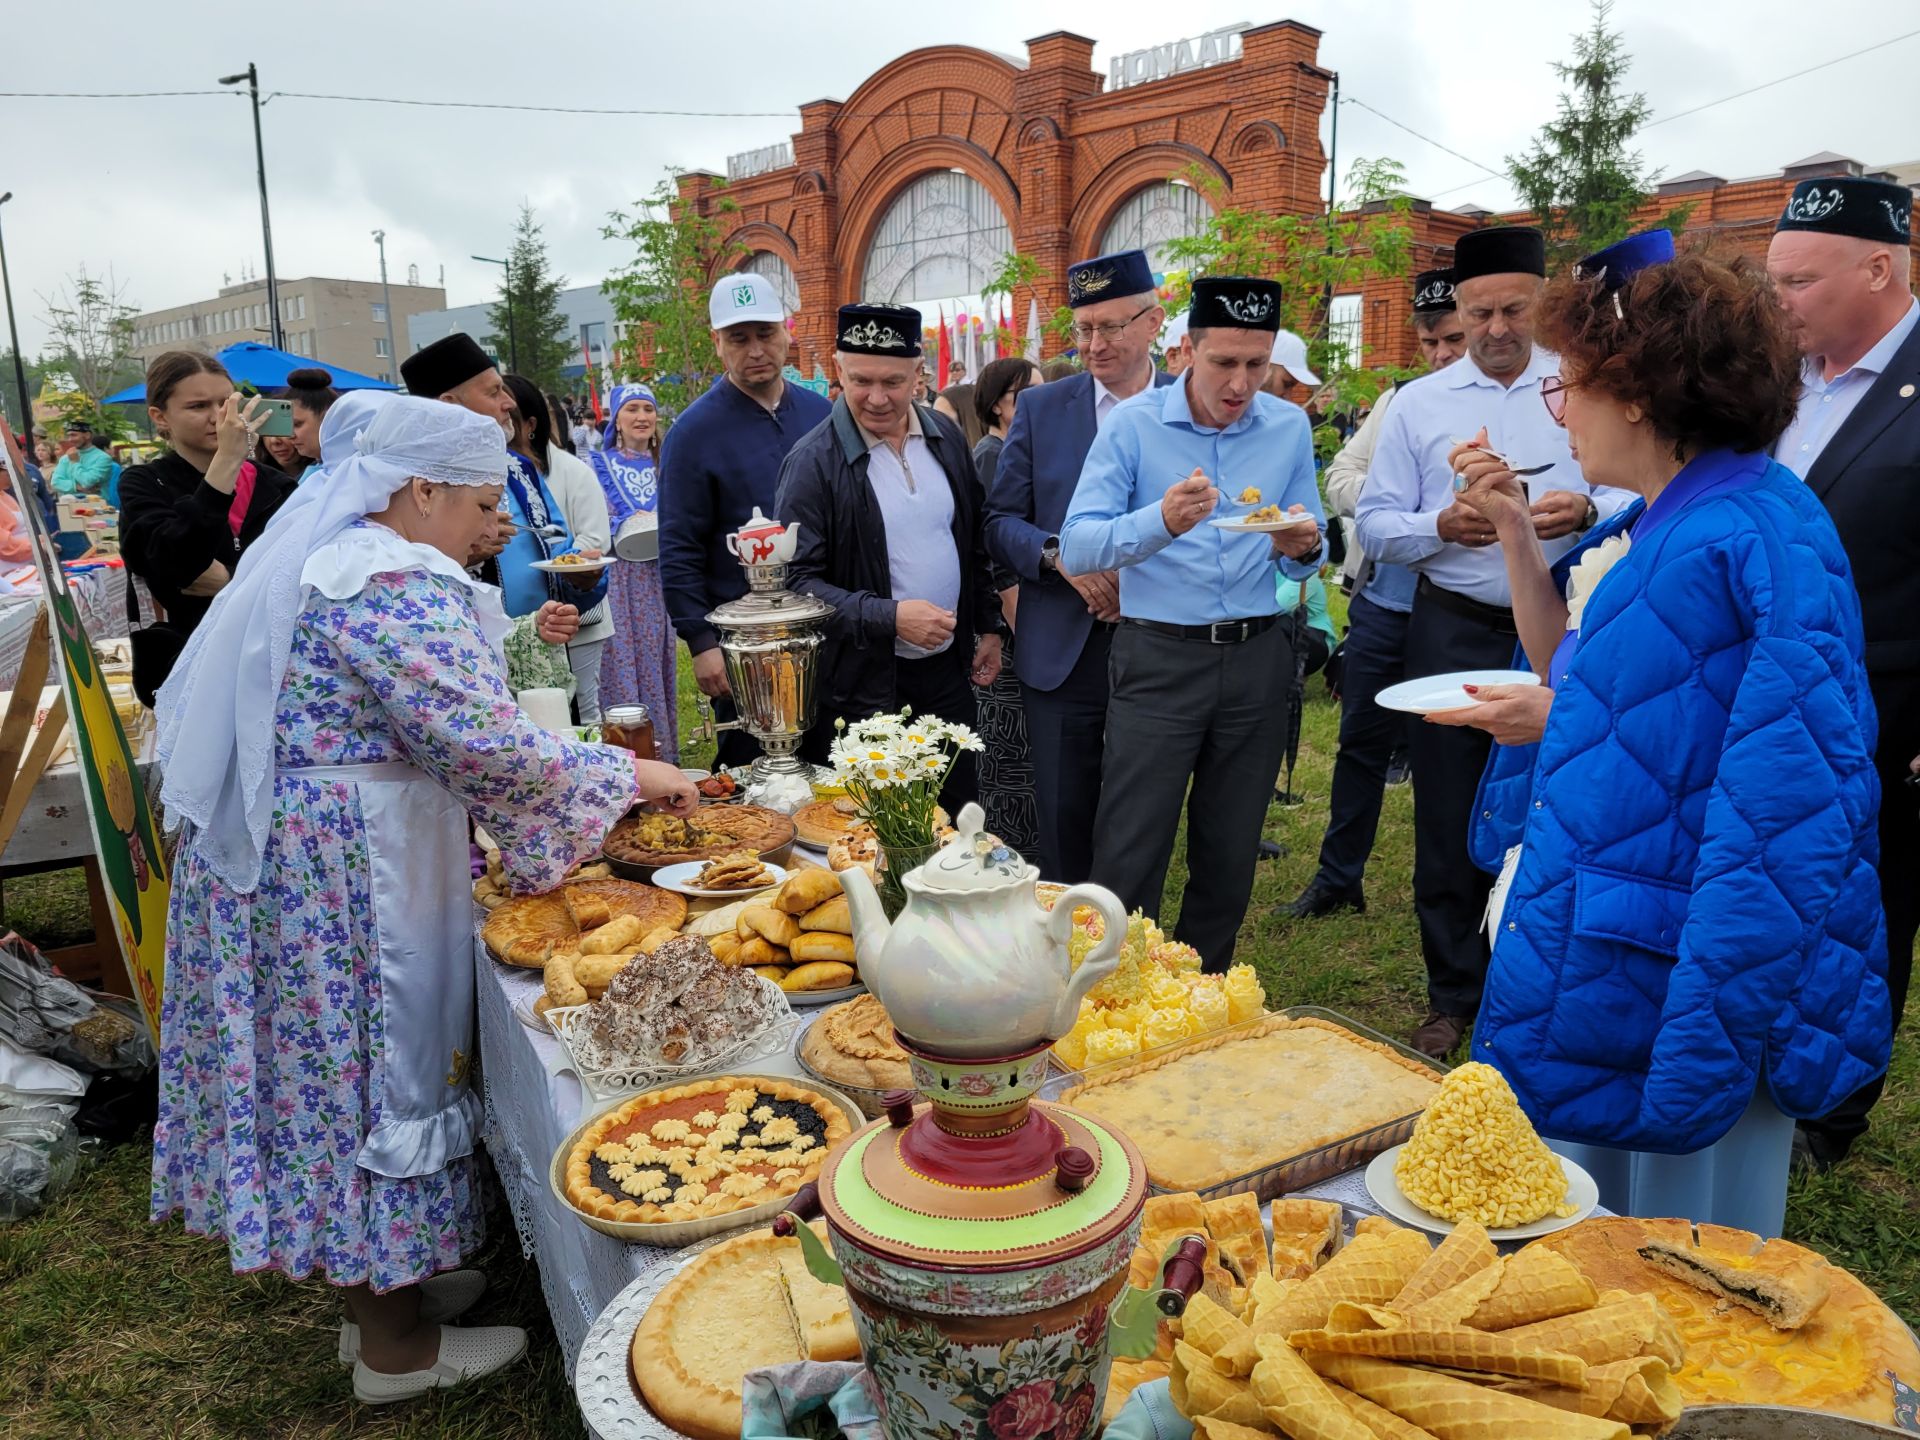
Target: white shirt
1826 404
916 504
1104 399
1409 484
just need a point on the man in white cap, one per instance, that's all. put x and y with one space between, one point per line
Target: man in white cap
722 459
1175 346
1289 366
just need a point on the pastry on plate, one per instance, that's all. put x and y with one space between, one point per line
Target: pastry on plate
746 1303
649 838
852 1044
527 930
708 1147
681 1005
737 870
825 821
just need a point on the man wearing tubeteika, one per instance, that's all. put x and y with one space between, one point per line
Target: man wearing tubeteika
1842 264
1462 609
1066 619
1200 668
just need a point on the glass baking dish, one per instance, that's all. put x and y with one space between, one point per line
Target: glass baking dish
1292 1172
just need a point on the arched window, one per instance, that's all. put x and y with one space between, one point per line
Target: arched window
1153 216
943 237
765 262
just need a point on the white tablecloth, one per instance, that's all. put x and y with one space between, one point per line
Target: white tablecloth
99 595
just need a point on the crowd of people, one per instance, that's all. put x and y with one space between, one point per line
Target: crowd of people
1667 888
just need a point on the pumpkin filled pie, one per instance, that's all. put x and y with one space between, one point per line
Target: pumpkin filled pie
746 1303
708 1147
1317 1083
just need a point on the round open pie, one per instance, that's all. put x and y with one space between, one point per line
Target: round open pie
527 929
654 839
825 821
705 1148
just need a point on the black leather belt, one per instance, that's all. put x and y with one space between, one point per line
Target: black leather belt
1220 632
1496 617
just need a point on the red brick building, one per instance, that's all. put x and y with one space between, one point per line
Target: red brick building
912 189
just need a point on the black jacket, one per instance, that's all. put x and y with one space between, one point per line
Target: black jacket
173 525
842 557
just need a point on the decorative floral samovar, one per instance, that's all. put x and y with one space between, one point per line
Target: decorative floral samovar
984 1237
770 639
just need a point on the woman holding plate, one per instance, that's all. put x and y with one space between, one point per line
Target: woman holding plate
334 721
1688 948
640 660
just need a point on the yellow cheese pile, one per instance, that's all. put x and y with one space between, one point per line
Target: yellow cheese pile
1475 1156
1155 996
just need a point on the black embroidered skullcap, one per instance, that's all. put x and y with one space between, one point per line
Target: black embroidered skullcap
1851 205
879 330
1499 250
1235 302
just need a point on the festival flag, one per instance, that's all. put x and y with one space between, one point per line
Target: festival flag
944 355
593 386
1033 329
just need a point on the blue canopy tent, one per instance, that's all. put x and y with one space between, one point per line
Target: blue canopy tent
266 369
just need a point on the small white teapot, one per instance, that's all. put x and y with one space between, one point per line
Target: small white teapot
762 541
975 967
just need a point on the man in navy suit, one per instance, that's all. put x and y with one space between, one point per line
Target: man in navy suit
1842 262
1065 622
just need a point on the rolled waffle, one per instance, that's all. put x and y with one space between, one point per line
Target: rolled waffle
1299 1401
1465 1252
1534 1285
1453 1409
1371 1270
1639 1391
1454 1346
1621 1327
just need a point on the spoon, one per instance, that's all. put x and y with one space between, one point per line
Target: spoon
1460 481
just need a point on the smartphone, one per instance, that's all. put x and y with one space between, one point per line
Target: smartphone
279 413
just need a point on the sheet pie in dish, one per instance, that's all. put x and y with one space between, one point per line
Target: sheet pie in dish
1225 1105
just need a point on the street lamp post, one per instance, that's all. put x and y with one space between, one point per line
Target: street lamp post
386 303
252 77
513 340
13 335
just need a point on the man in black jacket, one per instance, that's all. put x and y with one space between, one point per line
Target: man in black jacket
889 517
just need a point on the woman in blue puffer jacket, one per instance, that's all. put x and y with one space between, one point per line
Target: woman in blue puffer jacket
1690 949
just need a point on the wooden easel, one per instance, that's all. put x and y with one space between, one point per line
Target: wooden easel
18 776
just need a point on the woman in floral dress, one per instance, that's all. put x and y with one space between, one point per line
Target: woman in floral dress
335 719
641 658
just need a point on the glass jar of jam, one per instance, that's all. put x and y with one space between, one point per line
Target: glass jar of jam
631 728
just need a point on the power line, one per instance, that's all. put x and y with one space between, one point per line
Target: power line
1350 100
1769 84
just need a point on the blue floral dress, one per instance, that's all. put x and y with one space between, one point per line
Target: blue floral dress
276 1032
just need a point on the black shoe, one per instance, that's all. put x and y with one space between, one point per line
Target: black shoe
1399 768
1320 899
1271 850
1289 799
1815 1153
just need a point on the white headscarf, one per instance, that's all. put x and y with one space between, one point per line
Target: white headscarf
216 733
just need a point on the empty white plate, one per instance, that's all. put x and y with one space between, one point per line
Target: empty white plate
1446 692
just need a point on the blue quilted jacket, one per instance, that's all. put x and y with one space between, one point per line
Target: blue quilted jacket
1696 902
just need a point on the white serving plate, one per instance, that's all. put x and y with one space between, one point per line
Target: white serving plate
620 1081
583 567
813 999
679 878
1264 527
1433 693
1582 1193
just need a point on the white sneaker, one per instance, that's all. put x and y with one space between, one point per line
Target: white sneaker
465 1354
442 1297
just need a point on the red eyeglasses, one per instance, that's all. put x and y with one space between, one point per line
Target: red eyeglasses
1553 394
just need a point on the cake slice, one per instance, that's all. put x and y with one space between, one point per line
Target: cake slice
1785 1290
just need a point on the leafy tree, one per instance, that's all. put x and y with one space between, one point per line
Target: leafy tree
1579 177
660 295
90 327
1367 237
529 327
1019 273
9 392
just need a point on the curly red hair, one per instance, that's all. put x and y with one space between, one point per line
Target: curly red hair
1700 344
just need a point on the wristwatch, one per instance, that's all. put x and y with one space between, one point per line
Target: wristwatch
1591 519
1050 556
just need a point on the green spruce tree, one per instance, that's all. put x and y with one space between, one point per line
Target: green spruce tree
1580 177
530 330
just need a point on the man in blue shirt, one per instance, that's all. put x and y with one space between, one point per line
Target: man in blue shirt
85 469
1200 666
720 462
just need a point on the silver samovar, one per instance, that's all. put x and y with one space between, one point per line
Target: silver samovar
770 638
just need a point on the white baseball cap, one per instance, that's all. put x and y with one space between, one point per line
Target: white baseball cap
1290 351
1175 330
743 297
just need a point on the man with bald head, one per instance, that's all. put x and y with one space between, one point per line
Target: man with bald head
1462 616
1066 621
1842 262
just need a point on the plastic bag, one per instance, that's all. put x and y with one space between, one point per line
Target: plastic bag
39 1148
44 1012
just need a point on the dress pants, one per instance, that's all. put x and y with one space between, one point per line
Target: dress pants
1189 712
1897 699
1375 658
1066 734
1451 632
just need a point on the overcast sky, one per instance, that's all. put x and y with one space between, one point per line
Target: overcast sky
161 191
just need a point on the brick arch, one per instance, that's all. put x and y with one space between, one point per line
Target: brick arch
1260 137
749 237
862 211
938 67
1115 185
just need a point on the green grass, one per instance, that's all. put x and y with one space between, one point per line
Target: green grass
112 1327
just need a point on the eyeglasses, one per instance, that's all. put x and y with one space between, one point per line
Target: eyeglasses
1553 394
1083 334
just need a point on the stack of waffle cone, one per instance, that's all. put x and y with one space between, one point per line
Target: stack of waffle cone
1535 1285
1464 1253
1369 1271
1639 1391
1620 1327
1454 1346
1455 1409
1224 1338
1197 1388
1299 1401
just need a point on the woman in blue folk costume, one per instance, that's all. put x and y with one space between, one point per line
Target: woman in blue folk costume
1689 949
642 654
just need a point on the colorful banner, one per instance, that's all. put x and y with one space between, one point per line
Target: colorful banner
126 841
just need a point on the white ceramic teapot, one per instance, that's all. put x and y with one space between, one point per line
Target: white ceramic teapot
762 541
975 966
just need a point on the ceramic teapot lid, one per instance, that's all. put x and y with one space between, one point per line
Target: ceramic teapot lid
982 1177
972 860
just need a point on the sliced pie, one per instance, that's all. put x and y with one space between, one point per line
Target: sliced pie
645 838
746 1303
709 1147
527 929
